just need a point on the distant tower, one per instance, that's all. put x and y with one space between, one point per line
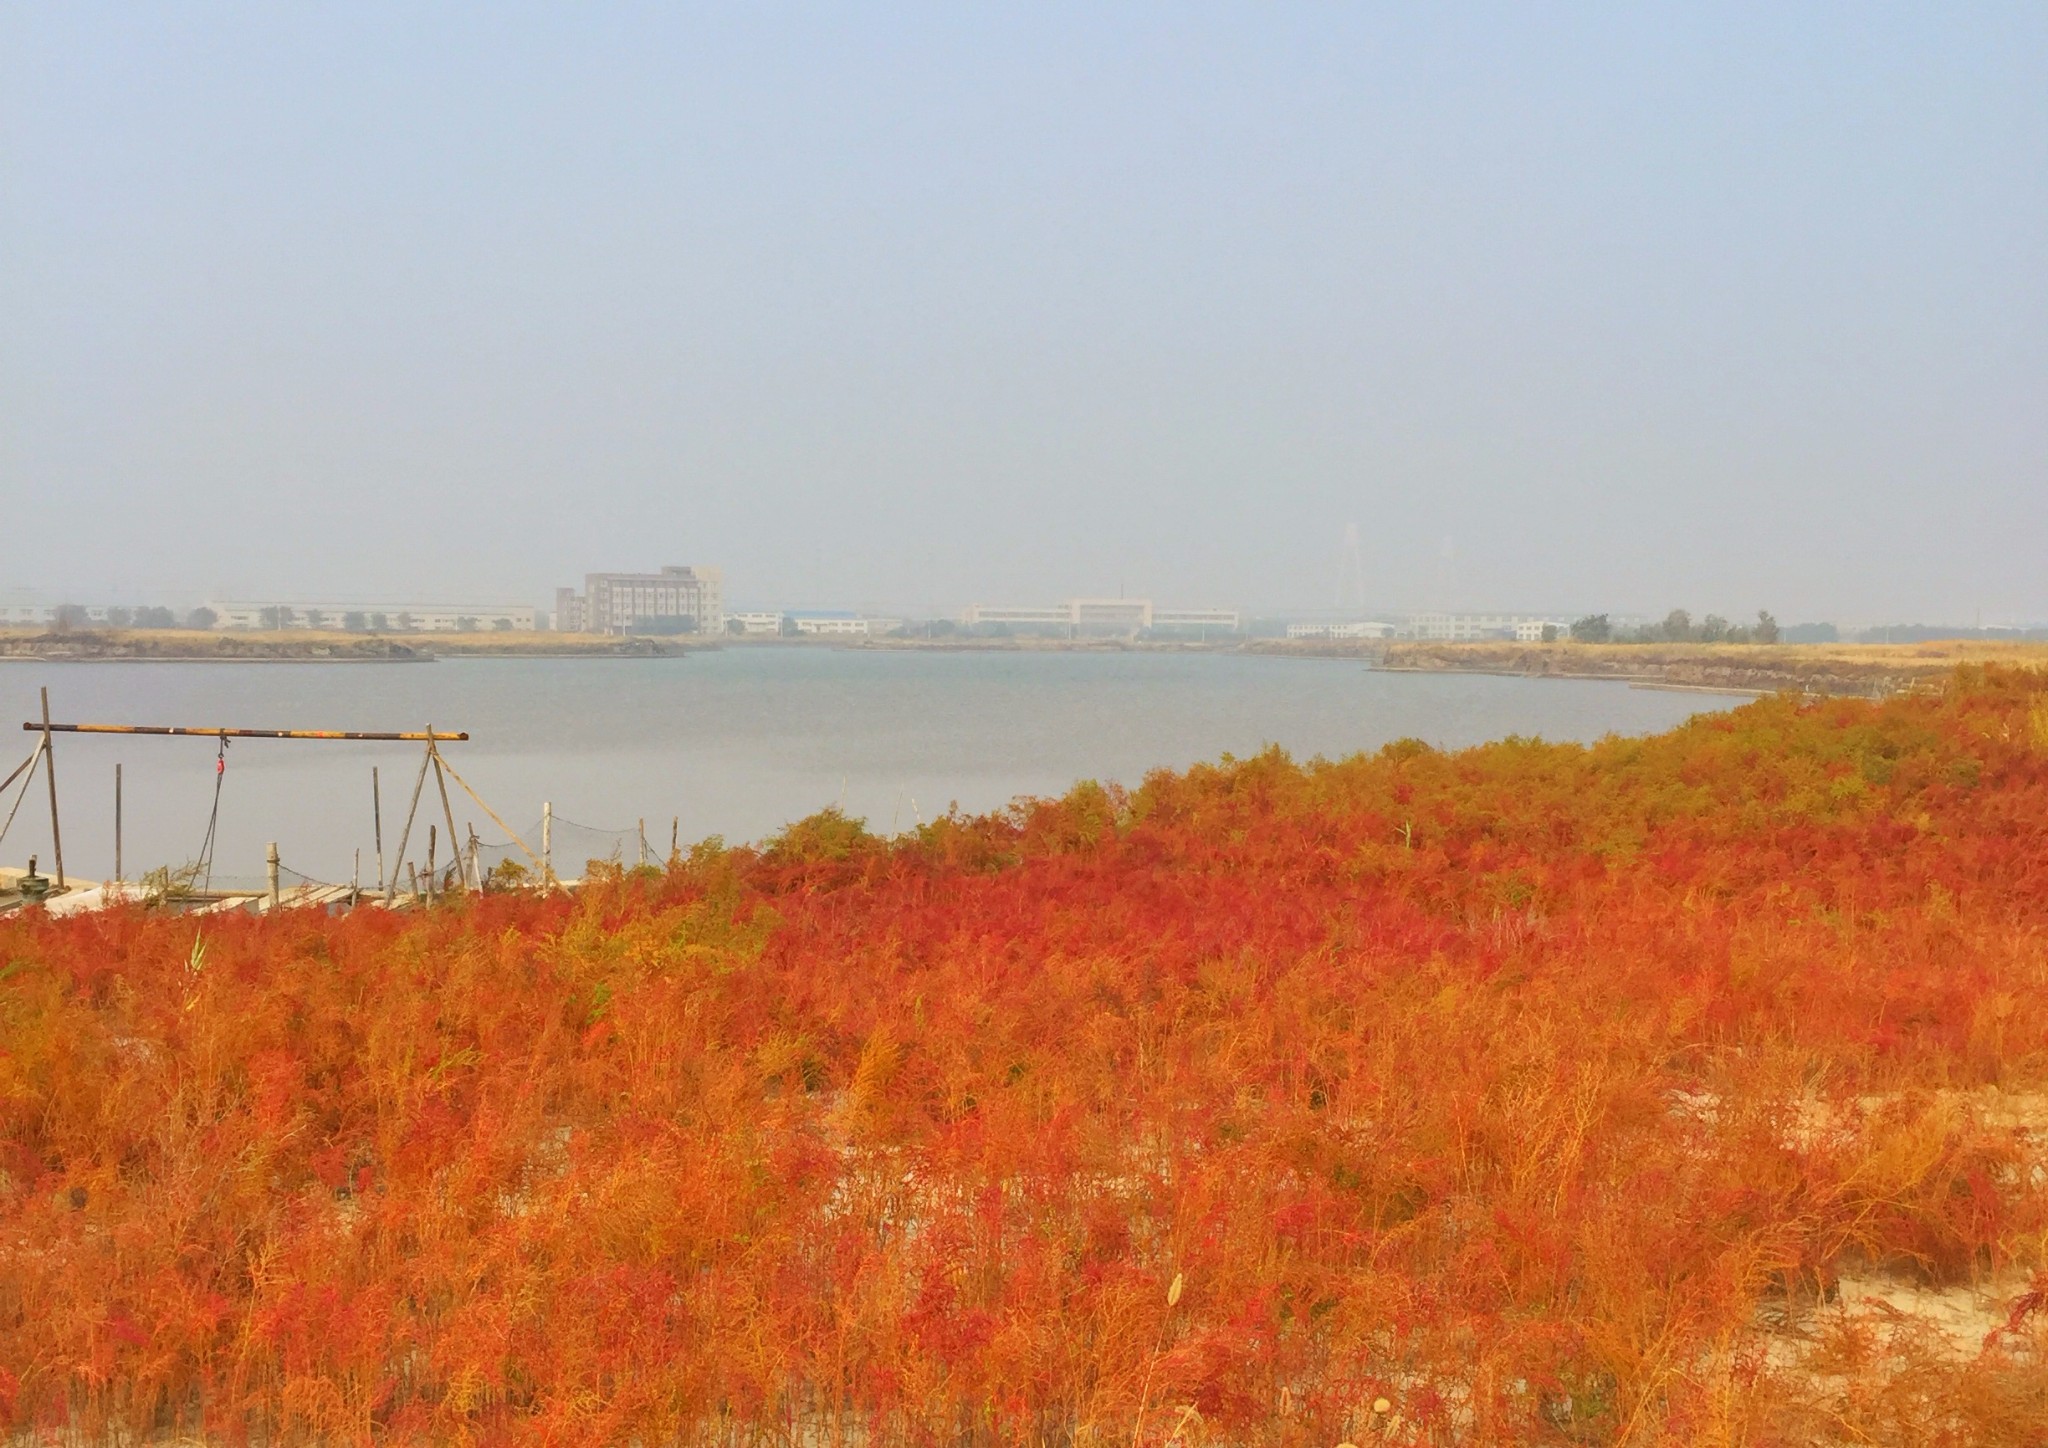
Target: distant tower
1351 573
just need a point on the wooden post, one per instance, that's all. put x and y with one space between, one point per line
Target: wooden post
270 871
476 869
430 864
355 879
547 843
50 773
117 824
377 824
675 829
643 843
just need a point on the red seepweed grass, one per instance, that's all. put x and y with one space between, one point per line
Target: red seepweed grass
1670 1090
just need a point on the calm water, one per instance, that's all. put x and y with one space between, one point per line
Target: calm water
735 743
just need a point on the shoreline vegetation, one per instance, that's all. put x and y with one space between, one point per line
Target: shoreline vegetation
1680 1089
214 646
1861 670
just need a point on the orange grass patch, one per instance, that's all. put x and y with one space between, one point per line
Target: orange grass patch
1533 1093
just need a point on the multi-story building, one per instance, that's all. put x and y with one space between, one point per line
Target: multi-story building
1104 617
675 600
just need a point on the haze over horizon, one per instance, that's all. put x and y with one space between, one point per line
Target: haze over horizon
918 307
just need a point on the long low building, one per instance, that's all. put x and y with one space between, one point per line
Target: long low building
1455 627
375 617
1357 629
1104 617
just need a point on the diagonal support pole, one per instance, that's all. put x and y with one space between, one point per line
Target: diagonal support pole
391 890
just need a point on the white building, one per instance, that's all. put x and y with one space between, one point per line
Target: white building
1104 617
753 623
1362 629
374 617
1460 627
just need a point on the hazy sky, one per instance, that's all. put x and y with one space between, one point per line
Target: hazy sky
1565 307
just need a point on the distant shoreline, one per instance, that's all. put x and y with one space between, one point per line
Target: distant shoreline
296 646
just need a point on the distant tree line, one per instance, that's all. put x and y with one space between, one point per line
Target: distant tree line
1678 628
75 615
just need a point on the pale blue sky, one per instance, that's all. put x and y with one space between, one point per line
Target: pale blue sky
1637 306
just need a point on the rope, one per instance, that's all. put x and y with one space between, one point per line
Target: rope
220 773
595 830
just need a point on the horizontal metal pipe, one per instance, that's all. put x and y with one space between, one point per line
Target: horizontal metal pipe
418 737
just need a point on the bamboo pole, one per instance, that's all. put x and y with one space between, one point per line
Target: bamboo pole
430 864
547 842
30 766
165 729
440 783
50 774
26 764
270 872
391 890
117 824
643 844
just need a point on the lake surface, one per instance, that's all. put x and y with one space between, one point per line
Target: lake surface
734 743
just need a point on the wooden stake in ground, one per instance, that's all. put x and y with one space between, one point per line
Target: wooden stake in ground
50 773
117 824
377 824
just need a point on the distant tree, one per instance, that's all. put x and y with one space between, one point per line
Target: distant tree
502 625
789 628
734 626
1594 628
1677 627
1810 633
119 618
465 624
405 622
201 617
1713 629
1766 628
275 616
353 621
1550 632
378 623
68 616
942 628
156 616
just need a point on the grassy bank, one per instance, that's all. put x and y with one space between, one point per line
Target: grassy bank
1862 669
1672 1090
